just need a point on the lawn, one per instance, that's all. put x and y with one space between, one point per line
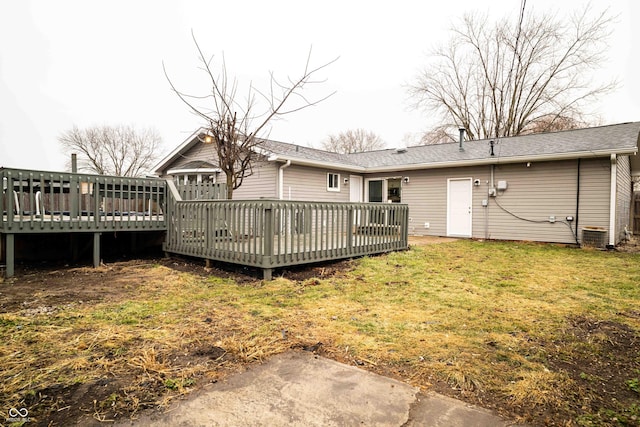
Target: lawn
543 334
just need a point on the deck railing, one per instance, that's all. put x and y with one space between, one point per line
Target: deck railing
270 234
266 234
202 191
40 202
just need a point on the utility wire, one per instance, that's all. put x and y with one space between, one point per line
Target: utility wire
573 233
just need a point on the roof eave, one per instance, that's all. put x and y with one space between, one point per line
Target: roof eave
316 163
175 153
505 160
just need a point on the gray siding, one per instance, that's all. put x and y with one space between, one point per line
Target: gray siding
595 187
534 196
310 184
623 197
262 184
426 194
200 151
523 211
547 189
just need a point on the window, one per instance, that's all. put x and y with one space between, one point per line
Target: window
333 182
375 190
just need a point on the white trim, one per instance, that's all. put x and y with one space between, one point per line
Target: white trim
501 160
176 151
457 163
184 175
193 170
335 189
317 163
612 200
385 188
470 181
281 180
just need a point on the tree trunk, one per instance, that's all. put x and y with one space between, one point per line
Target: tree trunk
229 187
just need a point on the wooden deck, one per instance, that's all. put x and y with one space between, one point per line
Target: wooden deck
41 202
266 234
271 234
54 202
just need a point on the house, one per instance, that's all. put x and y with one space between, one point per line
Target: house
571 186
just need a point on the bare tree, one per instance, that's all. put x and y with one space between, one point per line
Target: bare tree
510 78
438 135
235 125
353 141
113 150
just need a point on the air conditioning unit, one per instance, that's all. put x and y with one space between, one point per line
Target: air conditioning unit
594 237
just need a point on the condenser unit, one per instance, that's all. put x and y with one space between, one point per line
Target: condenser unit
595 237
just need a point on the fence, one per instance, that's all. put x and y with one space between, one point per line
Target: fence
270 234
636 213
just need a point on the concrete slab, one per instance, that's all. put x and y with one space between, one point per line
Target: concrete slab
436 410
303 389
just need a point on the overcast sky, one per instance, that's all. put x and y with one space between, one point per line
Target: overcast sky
100 62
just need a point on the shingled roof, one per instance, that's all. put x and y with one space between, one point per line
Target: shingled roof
578 143
599 141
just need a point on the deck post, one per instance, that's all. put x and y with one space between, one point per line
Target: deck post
74 197
349 228
267 250
9 254
96 250
405 228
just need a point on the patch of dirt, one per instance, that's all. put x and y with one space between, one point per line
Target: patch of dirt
43 289
243 275
604 363
429 240
91 403
631 246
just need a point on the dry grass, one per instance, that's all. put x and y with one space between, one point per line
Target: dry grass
478 318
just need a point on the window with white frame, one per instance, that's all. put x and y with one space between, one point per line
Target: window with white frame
333 181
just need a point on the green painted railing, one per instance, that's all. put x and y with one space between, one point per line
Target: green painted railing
43 202
202 191
270 234
266 234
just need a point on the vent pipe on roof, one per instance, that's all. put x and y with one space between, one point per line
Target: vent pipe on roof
491 148
462 130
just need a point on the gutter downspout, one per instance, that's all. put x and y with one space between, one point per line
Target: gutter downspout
576 219
281 179
612 202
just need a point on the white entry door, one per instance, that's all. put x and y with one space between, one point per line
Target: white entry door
459 207
355 189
